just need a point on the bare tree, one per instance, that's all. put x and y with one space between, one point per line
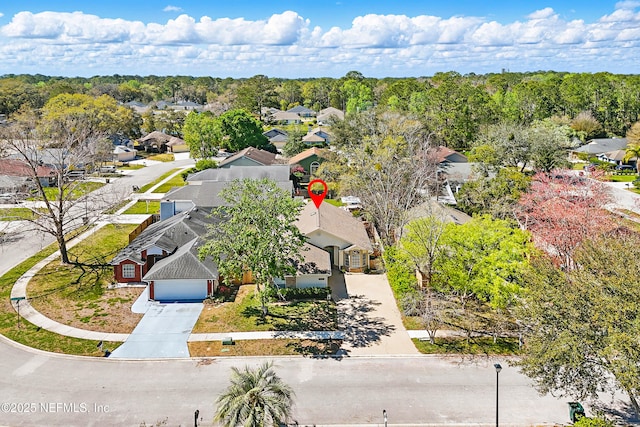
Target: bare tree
48 150
429 306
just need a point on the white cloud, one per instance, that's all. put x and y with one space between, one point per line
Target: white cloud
170 8
289 45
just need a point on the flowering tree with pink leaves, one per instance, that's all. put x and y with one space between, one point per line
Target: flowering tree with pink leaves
561 210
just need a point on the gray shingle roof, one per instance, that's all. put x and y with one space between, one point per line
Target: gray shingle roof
207 194
168 235
315 261
274 172
603 145
183 264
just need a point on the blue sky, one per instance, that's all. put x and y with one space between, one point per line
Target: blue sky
294 39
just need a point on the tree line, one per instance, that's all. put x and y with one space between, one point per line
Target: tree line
456 107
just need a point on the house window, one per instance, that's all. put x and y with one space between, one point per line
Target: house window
355 259
128 271
313 167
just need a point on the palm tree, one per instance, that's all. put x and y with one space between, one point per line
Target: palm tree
633 151
255 398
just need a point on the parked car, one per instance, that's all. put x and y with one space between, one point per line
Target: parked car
625 168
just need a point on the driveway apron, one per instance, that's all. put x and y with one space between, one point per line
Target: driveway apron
162 332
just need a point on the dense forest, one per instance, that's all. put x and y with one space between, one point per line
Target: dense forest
456 108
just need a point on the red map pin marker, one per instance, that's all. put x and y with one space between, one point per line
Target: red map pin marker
317 197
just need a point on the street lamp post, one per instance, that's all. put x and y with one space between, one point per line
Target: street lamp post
384 417
498 369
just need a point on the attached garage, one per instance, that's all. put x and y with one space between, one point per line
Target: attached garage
179 290
182 276
312 281
312 272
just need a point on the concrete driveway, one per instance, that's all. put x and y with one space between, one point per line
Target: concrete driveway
370 318
162 332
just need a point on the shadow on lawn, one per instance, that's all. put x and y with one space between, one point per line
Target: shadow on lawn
296 316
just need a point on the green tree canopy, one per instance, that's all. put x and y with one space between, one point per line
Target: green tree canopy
240 130
483 259
256 234
201 132
582 324
256 398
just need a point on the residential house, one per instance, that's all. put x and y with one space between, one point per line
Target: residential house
285 118
177 145
447 155
328 115
158 241
250 156
278 173
277 137
182 276
317 137
309 160
302 111
339 233
597 146
137 106
155 141
617 157
312 272
21 174
122 153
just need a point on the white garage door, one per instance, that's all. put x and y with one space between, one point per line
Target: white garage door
311 281
180 290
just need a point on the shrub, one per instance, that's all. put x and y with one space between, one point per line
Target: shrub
636 183
399 272
291 294
206 164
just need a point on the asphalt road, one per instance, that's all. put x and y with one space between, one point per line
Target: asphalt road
41 389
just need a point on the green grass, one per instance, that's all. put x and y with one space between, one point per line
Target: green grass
160 179
30 335
477 345
334 202
176 181
143 207
622 178
131 166
16 214
165 157
244 315
78 190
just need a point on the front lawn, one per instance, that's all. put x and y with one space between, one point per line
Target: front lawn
244 315
16 214
176 181
621 178
77 294
144 188
79 190
475 345
274 347
26 333
144 207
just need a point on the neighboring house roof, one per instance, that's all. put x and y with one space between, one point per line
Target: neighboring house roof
123 149
445 154
459 172
271 133
167 235
327 113
183 264
174 140
15 167
315 261
602 145
617 155
334 221
439 211
156 136
274 172
283 116
207 194
256 155
301 109
313 138
304 155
